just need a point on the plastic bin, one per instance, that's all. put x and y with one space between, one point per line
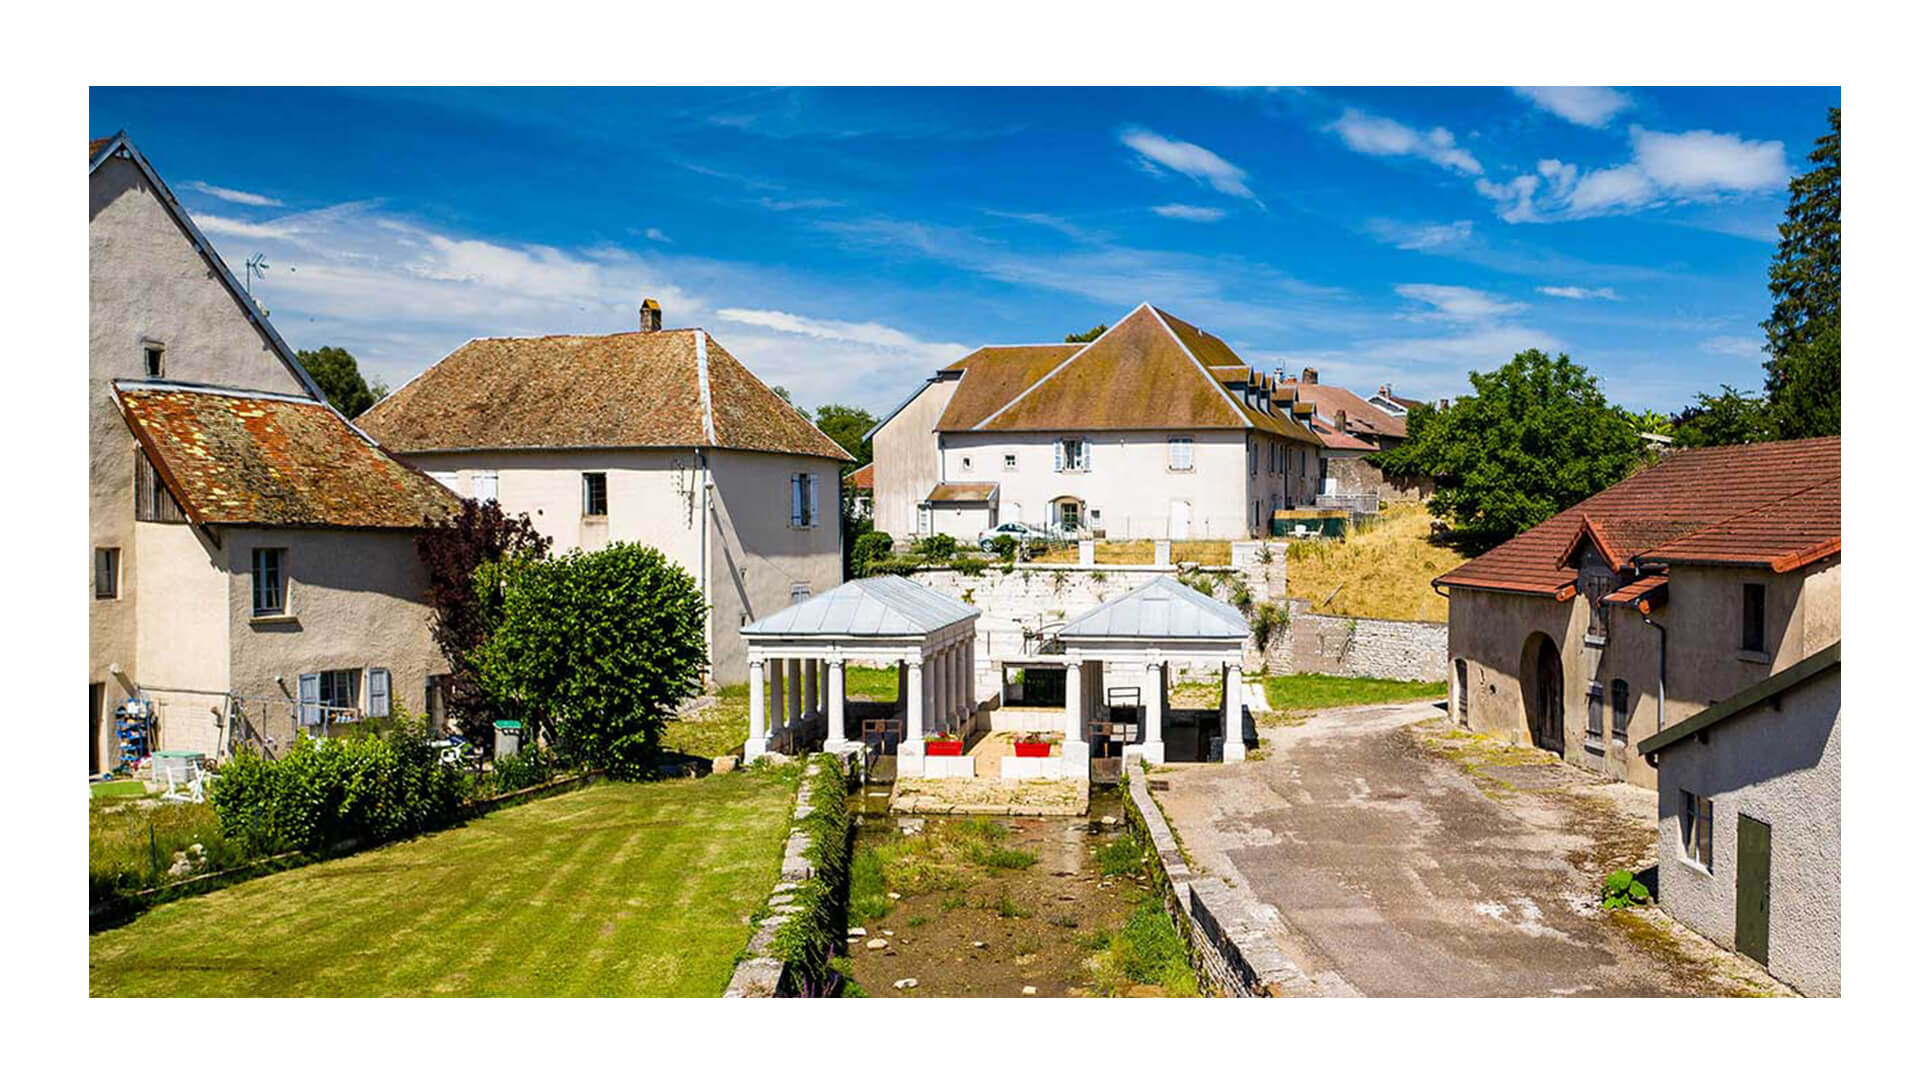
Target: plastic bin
508 737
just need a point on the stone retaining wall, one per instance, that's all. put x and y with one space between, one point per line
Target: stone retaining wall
761 974
1229 946
1400 650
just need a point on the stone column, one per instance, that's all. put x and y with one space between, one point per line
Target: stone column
1076 751
759 741
1234 713
777 701
833 740
812 701
910 749
902 697
1151 692
793 691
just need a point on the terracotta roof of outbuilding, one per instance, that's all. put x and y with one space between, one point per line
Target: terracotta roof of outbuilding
1150 370
864 477
1634 592
1775 506
247 457
967 492
635 389
1360 414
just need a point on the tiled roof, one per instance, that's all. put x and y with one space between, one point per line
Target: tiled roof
95 146
1775 506
864 477
993 376
1150 370
1635 592
1361 416
1335 439
637 389
240 457
968 492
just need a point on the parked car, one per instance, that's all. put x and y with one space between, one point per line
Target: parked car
1029 538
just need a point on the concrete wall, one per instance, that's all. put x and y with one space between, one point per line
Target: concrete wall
1779 764
145 281
1130 485
905 451
1489 630
1399 650
355 600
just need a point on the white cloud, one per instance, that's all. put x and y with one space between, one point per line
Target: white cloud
1382 136
1417 236
1457 303
1189 213
868 334
1581 293
657 235
235 227
1732 346
1589 106
1667 167
234 195
1192 160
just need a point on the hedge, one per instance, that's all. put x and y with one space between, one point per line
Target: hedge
808 941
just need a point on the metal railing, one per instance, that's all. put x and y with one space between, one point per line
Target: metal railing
1367 503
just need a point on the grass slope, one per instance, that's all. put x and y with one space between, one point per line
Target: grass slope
1316 691
621 889
1385 571
719 729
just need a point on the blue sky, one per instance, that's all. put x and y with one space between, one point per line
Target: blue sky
843 243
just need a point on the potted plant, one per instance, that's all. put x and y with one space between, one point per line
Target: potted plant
1034 745
944 744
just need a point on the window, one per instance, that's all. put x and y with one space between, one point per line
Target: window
1754 617
1010 462
1620 711
595 494
1178 452
1696 816
485 487
964 464
341 688
1074 455
379 704
153 360
799 592
1594 713
1252 457
332 696
270 582
803 500
152 502
107 573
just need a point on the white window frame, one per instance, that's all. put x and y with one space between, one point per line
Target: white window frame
488 487
1173 456
381 692
586 513
107 569
1696 816
257 568
1010 461
1073 454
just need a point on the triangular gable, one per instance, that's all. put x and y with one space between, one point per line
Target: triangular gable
1161 609
1589 534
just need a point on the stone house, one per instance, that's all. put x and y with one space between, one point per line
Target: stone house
654 436
1750 822
1350 428
253 553
1687 582
1155 429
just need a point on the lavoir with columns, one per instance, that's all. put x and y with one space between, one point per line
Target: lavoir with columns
1117 659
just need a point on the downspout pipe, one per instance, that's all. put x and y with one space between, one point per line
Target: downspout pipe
1660 722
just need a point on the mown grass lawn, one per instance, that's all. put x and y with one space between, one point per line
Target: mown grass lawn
720 729
622 889
1313 691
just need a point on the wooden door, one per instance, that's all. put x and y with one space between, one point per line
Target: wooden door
1550 693
1753 872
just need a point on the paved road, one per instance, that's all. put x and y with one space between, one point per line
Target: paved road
1400 857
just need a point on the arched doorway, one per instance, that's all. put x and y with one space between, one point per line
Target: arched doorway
1543 686
1068 514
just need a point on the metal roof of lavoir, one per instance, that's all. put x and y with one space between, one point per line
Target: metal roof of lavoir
1161 609
885 605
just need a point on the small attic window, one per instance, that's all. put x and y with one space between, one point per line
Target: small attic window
153 359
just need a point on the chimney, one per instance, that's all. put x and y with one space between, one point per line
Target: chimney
652 315
1309 376
1339 418
1385 391
1279 375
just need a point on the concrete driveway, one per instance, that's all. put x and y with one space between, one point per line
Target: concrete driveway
1394 855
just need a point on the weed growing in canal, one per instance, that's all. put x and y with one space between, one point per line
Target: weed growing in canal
954 901
1007 907
868 902
1002 857
916 921
1146 950
1122 856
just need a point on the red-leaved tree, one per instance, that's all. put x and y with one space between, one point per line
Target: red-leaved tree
452 549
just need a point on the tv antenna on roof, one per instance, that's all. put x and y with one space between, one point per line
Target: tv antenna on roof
256 264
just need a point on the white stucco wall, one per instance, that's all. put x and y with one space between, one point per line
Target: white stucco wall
182 639
1129 484
1779 764
757 556
905 451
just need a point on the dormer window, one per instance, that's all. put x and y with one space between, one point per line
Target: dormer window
153 359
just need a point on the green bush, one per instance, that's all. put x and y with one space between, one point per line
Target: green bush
529 767
1623 891
807 941
598 648
894 565
971 566
936 549
869 549
322 793
1006 547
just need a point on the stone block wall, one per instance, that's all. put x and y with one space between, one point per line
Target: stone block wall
1400 650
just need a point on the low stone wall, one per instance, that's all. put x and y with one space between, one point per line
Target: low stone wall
762 973
1229 947
1399 650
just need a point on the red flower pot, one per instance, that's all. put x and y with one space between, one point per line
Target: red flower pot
1034 749
943 748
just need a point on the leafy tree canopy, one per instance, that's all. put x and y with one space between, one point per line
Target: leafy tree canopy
847 426
1090 335
598 649
463 606
1731 417
1804 328
339 377
1534 437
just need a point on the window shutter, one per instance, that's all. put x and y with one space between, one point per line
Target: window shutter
378 705
813 498
1057 461
796 500
309 686
1084 453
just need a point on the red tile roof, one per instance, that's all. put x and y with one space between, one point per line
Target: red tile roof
240 457
864 477
1774 506
636 389
1362 417
1637 592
